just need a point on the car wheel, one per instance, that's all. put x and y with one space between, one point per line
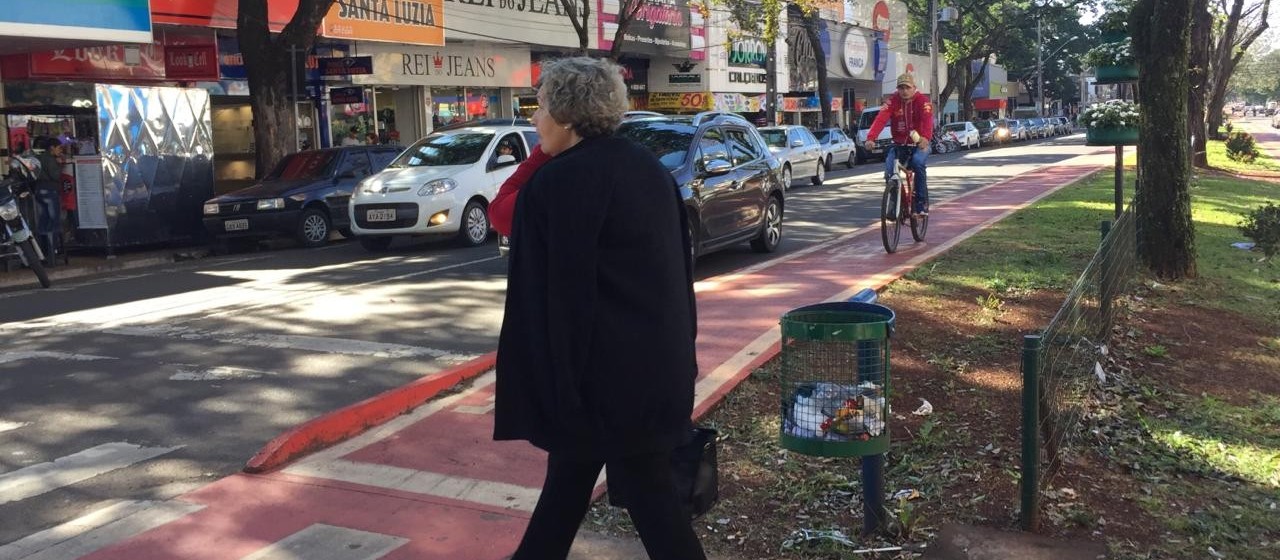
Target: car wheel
313 228
853 159
375 244
858 158
820 173
828 162
771 230
346 233
474 229
786 177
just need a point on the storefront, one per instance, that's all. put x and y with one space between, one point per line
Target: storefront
736 69
856 66
416 89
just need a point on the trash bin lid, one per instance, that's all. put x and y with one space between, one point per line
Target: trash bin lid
839 320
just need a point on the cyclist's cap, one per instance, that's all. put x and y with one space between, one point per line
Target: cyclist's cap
906 79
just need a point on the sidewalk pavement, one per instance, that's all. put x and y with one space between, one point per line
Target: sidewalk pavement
432 484
87 264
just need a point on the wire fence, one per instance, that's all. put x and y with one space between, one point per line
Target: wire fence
1058 363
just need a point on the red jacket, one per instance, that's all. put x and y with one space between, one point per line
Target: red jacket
916 114
503 208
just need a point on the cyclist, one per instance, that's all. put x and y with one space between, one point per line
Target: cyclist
909 115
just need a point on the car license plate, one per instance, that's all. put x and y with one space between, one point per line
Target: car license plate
236 225
381 215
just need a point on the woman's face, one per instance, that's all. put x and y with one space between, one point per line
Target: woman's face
554 136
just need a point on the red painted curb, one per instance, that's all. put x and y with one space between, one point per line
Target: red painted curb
321 432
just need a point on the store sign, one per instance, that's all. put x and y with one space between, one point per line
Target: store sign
481 65
674 75
231 61
541 22
346 95
123 21
856 53
219 14
659 27
738 103
700 101
346 66
413 22
738 77
748 53
144 62
191 62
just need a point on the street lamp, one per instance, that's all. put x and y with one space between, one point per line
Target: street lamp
936 16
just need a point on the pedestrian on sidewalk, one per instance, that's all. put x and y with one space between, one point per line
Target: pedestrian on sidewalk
596 360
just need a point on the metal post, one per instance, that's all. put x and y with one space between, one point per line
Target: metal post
1030 432
872 495
1106 279
293 93
1119 181
1039 69
771 87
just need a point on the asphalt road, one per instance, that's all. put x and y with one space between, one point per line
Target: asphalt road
142 386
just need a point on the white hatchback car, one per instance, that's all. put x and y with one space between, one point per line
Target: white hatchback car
966 133
442 184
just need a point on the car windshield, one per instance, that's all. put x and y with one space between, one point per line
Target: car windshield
462 148
955 127
983 126
304 165
776 138
669 141
823 135
867 117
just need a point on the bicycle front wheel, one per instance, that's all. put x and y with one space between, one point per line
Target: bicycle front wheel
890 216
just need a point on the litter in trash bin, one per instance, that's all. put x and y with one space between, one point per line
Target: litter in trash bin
836 412
925 408
906 494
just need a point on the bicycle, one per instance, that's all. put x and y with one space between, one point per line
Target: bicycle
896 204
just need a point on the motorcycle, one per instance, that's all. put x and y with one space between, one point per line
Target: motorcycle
16 238
946 143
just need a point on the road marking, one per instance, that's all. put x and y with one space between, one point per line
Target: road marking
220 373
6 426
6 357
496 494
65 471
327 542
294 342
96 530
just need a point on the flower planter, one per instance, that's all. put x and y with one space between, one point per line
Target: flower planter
1117 74
1112 136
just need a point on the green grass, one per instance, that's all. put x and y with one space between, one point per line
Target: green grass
1217 154
1253 286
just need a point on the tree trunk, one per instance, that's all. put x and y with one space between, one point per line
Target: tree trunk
579 26
1226 55
1201 26
1166 233
627 11
268 64
820 61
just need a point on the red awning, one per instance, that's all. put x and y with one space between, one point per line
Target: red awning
988 104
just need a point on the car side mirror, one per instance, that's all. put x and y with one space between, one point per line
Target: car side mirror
717 167
797 143
501 161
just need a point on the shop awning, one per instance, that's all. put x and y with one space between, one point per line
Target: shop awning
989 104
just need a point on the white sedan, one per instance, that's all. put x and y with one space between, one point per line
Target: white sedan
966 133
837 147
440 185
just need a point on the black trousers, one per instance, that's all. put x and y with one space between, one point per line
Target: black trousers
652 504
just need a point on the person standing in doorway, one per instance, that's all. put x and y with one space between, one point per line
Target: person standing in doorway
596 360
352 138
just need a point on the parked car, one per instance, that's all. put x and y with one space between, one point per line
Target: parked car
305 196
967 134
837 147
731 184
639 114
1017 129
987 132
441 185
798 150
1067 127
883 141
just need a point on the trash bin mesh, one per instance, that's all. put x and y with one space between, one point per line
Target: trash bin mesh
835 379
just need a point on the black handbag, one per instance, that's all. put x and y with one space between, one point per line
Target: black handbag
695 471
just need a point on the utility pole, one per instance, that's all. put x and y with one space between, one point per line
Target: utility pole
934 90
1039 69
771 88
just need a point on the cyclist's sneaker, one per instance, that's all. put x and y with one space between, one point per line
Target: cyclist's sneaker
921 208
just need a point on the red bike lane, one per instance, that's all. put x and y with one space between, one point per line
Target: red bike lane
431 483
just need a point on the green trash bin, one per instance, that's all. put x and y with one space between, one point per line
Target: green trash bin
835 379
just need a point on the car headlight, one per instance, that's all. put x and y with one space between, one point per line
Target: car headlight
372 185
271 204
9 210
438 186
210 208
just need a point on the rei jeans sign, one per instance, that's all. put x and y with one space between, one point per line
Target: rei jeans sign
481 65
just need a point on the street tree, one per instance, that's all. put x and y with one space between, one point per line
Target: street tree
1161 33
1238 25
763 19
269 61
1198 77
579 14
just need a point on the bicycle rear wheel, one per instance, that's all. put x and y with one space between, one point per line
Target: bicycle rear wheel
890 216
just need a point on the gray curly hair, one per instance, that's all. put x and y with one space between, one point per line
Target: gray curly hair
585 93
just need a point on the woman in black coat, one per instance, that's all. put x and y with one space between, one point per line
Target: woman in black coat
596 360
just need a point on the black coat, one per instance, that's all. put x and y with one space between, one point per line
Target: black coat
596 357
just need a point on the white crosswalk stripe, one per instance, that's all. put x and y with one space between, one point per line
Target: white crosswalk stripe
6 425
6 357
96 530
327 542
65 471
